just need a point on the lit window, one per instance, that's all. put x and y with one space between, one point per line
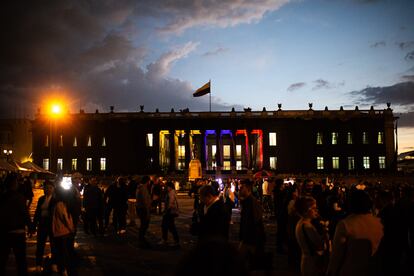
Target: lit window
335 162
89 141
381 162
365 138
75 142
149 141
319 163
226 151
60 164
61 140
103 164
380 137
226 165
238 165
47 141
46 164
89 164
181 151
349 140
366 162
238 150
181 165
319 138
213 151
351 163
74 164
272 139
334 138
103 142
273 162
214 165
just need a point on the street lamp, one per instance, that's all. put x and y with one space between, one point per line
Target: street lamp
7 153
55 111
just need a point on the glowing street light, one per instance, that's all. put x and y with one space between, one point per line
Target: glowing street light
7 153
56 109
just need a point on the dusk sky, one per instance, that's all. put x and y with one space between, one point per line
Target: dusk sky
257 54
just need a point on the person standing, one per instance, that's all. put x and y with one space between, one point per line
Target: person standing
43 222
93 204
170 213
120 205
214 219
310 241
143 206
252 234
356 240
14 216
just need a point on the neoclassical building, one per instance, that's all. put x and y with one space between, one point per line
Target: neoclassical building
285 141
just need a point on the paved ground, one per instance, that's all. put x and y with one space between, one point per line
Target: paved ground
120 255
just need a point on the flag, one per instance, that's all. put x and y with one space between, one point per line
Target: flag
205 89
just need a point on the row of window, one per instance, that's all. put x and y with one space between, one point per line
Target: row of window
366 162
349 138
75 141
74 164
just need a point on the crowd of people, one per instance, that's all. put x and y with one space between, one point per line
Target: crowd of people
324 228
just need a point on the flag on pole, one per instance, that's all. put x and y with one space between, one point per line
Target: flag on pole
205 89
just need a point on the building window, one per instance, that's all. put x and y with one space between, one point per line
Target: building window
213 151
149 141
226 165
89 164
366 163
89 141
365 138
349 140
238 165
334 138
381 162
319 163
46 163
226 151
181 165
335 163
319 138
214 165
74 164
351 163
103 142
60 164
103 164
75 142
273 162
380 137
61 140
272 139
238 150
181 151
47 141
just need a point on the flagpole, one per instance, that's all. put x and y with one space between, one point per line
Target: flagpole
210 94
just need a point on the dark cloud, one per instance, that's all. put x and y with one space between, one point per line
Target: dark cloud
296 86
95 52
408 78
378 44
405 119
367 1
321 84
405 44
398 94
410 56
215 52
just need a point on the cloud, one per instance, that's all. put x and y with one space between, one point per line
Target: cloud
398 94
96 53
215 52
182 15
296 86
378 44
367 1
405 44
408 78
405 119
409 56
322 84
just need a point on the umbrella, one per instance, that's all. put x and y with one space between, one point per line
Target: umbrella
262 174
35 168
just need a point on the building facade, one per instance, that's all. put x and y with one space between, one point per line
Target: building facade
304 141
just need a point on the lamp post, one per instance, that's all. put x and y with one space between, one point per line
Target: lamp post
55 112
7 152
